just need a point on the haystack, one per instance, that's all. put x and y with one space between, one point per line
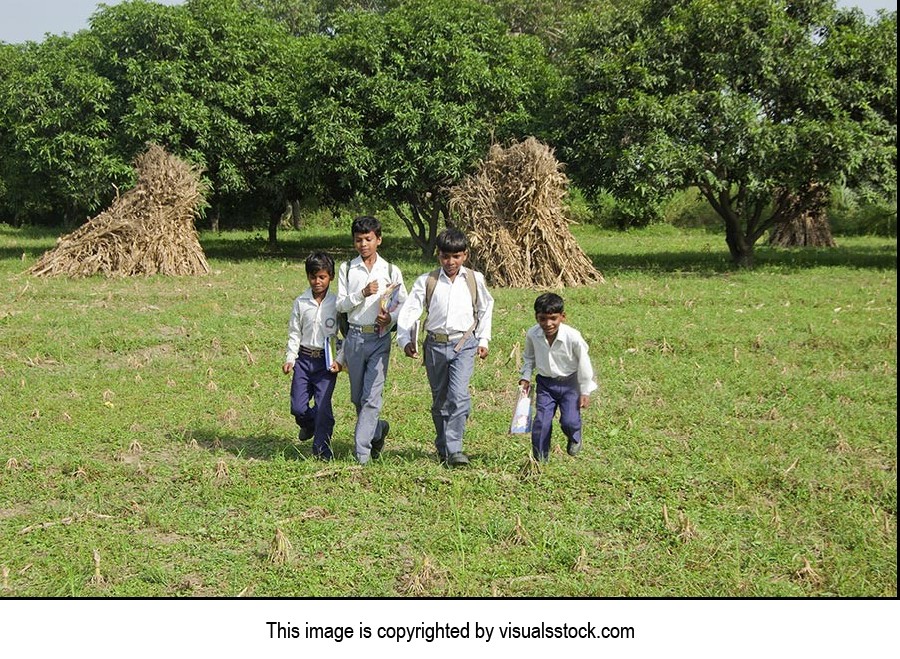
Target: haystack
148 230
513 213
806 223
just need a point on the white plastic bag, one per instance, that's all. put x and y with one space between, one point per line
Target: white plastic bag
521 420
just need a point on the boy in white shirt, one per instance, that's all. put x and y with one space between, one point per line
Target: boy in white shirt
362 283
313 320
558 355
458 327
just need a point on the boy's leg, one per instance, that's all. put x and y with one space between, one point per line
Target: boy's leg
570 415
300 394
376 352
458 400
541 427
323 382
437 369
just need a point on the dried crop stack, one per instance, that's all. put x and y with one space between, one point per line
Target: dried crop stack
512 211
807 223
148 230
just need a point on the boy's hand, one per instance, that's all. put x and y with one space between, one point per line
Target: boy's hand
383 320
583 401
410 350
371 288
287 367
481 351
525 385
336 367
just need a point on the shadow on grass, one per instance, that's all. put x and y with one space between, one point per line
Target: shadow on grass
223 247
294 246
260 447
270 446
706 263
32 241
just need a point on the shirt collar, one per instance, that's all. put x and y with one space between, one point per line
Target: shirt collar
462 271
357 261
308 295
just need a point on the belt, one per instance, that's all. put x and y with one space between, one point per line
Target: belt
365 329
437 337
312 352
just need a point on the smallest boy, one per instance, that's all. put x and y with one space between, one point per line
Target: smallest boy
313 319
558 355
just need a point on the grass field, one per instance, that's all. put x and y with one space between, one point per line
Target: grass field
743 441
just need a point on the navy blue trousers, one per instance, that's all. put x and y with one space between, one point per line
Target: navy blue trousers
562 393
311 390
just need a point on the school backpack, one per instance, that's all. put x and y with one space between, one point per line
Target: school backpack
432 281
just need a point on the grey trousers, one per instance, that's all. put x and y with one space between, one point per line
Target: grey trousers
367 357
449 373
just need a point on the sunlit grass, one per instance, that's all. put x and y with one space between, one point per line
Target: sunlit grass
743 441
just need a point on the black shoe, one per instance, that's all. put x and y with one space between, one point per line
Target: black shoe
572 448
378 444
305 433
457 460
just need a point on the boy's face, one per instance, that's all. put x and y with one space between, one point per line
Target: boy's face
366 244
550 322
451 262
319 282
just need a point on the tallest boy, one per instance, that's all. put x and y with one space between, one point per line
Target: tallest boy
361 284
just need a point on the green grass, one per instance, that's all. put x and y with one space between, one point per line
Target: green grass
743 441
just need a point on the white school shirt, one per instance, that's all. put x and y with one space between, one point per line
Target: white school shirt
567 355
363 310
451 307
310 323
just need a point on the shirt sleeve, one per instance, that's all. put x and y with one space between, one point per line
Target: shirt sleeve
485 311
527 359
347 300
294 333
410 311
398 279
586 382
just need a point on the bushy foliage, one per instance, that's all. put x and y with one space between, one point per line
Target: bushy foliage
56 130
744 100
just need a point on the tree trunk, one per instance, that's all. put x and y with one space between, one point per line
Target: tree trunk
423 220
740 245
741 249
274 221
295 214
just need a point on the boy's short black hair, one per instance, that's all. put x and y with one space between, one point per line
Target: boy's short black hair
319 261
548 303
365 224
452 241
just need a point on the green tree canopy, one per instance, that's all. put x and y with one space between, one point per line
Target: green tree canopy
206 80
741 98
56 130
405 102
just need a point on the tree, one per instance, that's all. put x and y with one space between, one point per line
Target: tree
207 80
405 102
740 99
55 130
307 17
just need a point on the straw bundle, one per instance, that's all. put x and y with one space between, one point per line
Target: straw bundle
148 230
513 214
807 219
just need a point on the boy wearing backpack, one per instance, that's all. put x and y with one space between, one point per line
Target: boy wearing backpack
362 284
457 327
